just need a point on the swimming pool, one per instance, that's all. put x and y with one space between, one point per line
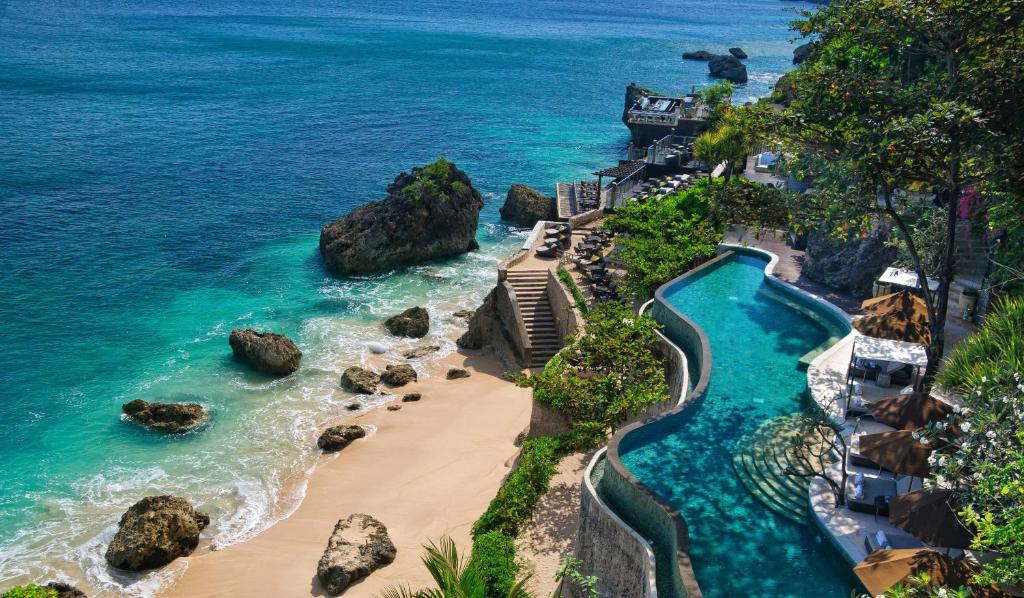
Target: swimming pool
757 334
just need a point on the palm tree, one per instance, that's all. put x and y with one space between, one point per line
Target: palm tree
454 576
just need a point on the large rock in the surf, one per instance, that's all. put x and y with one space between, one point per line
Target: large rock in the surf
428 214
266 351
336 438
738 53
359 380
728 67
165 417
699 55
358 546
524 206
398 375
155 531
848 265
413 322
633 93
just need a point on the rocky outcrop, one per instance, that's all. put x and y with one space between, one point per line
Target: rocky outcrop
359 380
738 53
420 352
524 206
456 373
851 265
802 52
155 531
359 546
165 417
413 322
267 352
633 93
429 214
398 375
65 590
336 438
728 67
699 55
486 330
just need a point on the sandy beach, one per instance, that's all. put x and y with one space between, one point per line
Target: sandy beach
430 469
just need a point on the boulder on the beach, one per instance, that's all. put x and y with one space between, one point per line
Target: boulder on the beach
418 352
699 55
165 417
376 347
359 380
728 67
456 373
267 352
398 375
358 546
738 53
394 407
429 214
155 531
411 397
336 438
802 52
413 322
525 206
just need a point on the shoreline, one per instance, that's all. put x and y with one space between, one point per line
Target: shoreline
460 435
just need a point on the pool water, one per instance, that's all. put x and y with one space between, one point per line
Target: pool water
738 546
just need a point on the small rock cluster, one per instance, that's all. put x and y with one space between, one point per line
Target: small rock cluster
724 66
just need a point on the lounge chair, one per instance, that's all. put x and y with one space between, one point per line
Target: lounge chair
871 542
877 492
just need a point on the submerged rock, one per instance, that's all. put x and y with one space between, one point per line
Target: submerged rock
398 375
358 546
728 67
418 352
267 352
524 206
699 55
413 322
155 531
353 406
738 53
336 438
359 380
429 214
456 373
165 417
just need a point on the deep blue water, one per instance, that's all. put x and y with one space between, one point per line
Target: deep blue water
739 547
165 169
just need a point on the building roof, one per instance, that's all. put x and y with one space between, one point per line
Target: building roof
624 169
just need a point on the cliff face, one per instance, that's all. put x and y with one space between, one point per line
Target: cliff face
851 266
428 214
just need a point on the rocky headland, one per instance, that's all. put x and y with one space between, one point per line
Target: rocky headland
525 206
429 214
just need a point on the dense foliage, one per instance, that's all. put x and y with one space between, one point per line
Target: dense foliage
527 483
30 591
454 577
997 346
577 295
661 238
494 558
609 374
434 180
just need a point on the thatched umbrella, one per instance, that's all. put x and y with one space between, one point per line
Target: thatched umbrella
882 569
910 412
897 451
901 316
930 516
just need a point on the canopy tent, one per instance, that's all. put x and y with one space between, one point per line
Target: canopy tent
910 412
904 278
897 451
901 316
930 516
882 569
879 355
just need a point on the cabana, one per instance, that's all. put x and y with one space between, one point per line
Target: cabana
884 361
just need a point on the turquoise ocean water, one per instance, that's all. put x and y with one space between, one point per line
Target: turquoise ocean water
164 172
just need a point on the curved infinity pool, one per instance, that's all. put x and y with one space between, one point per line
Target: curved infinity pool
757 334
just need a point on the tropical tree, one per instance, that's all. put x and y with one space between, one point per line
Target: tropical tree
454 576
893 110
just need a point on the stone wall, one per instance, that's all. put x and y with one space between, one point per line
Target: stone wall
563 306
512 320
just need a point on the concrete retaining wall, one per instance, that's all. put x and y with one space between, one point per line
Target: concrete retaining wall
512 319
563 306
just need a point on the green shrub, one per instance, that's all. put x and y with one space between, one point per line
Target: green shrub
514 504
494 558
574 289
30 591
997 346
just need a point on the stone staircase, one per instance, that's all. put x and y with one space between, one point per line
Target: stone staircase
531 293
762 458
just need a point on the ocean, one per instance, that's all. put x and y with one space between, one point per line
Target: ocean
165 169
